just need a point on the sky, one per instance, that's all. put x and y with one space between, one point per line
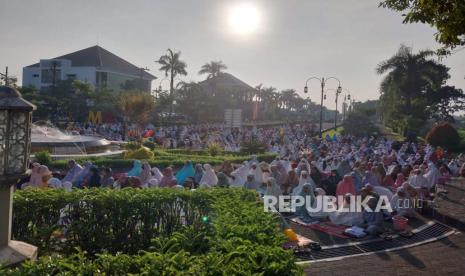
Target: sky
290 40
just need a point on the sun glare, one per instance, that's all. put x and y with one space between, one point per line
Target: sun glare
244 19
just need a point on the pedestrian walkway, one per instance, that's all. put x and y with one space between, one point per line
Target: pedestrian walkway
445 256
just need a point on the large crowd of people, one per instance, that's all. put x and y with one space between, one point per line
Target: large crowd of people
201 136
341 166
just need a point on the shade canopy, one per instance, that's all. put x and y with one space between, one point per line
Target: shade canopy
11 99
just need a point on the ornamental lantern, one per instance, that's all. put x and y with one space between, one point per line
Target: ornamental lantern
15 144
15 134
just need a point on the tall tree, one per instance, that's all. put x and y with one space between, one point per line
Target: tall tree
172 66
212 69
411 71
447 16
413 90
137 106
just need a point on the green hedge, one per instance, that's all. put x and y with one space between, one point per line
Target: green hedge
166 160
240 240
115 220
247 259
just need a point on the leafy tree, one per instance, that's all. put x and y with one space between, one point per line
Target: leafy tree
447 16
11 80
413 90
359 124
69 99
444 102
213 69
136 105
172 66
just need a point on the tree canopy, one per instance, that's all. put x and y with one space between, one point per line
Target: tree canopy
173 66
447 16
213 69
413 90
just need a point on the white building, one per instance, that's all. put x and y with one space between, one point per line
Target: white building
93 65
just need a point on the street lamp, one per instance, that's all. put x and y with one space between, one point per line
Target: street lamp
344 106
323 96
15 146
346 96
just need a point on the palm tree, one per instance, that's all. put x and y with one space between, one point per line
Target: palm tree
213 69
173 66
288 97
408 73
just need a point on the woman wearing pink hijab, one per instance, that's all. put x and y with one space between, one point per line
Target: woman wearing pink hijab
346 186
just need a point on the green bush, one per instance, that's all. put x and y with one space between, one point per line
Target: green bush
253 147
214 149
247 259
444 135
142 153
43 157
164 159
103 219
149 144
240 240
132 146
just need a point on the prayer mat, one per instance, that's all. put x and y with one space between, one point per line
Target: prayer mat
326 227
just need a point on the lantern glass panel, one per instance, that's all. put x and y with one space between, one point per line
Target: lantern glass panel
18 142
3 126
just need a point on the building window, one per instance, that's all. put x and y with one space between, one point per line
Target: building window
71 76
102 79
50 75
35 75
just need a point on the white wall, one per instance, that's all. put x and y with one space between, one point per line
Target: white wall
86 74
28 79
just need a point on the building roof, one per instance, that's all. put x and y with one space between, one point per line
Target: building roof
96 56
225 81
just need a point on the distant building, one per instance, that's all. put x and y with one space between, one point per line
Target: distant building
93 65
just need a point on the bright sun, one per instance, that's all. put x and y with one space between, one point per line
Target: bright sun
244 19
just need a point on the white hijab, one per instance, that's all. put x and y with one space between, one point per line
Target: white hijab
238 181
272 189
432 175
157 174
209 178
257 173
243 170
302 181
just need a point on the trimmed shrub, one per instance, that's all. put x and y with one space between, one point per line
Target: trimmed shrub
149 144
247 259
131 146
43 157
444 135
104 219
164 159
162 227
214 149
142 153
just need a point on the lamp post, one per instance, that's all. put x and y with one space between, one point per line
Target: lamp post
323 83
339 91
346 98
15 145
